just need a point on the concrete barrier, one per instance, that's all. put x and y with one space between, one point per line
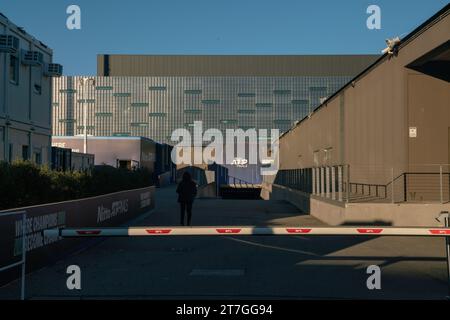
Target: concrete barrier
340 213
106 210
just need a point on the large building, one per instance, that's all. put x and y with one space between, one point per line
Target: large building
151 96
26 69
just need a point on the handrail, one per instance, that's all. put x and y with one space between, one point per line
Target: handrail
289 177
241 181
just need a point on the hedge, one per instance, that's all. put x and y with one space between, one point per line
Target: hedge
23 183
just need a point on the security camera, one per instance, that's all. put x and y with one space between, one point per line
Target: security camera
391 44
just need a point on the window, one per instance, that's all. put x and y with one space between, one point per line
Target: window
193 91
246 111
281 92
192 111
318 89
103 88
139 104
282 121
157 114
121 134
25 152
138 124
14 69
10 152
68 91
264 105
228 121
122 94
103 114
300 102
157 88
37 80
86 100
210 101
245 128
37 156
246 95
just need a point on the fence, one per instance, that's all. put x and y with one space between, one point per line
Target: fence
329 182
422 183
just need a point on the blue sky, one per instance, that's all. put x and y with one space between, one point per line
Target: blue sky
213 26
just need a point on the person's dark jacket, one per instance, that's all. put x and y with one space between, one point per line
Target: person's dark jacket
187 191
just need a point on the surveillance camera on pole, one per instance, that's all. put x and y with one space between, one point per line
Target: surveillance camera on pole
391 44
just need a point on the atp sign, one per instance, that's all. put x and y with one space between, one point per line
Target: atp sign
240 163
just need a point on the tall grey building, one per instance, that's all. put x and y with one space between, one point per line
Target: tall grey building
151 96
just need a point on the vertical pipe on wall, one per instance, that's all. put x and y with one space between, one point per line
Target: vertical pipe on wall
327 182
322 182
313 181
441 185
392 185
348 183
333 183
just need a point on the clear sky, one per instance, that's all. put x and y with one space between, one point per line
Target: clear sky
213 26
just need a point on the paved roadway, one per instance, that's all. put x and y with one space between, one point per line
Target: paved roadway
245 267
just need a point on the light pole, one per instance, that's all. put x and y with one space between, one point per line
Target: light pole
83 82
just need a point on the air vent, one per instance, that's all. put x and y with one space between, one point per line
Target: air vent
53 70
9 43
32 58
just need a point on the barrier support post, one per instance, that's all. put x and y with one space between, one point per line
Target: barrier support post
24 256
447 244
446 216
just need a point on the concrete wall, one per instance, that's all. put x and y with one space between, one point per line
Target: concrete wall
25 113
109 210
338 213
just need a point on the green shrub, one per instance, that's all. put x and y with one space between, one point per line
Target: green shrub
23 183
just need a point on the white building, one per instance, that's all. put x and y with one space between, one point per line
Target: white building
26 69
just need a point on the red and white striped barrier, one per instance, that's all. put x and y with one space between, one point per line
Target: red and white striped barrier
247 231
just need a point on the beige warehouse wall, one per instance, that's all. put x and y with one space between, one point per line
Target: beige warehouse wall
429 112
317 134
374 117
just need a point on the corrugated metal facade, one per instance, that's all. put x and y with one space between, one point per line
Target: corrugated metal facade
154 107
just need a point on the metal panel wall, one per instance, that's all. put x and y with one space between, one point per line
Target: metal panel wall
154 107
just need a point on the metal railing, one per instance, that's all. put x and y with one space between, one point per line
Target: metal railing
353 184
239 182
329 182
379 190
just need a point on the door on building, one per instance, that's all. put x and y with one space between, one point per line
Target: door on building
124 164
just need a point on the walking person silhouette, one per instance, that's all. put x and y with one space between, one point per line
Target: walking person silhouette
187 191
